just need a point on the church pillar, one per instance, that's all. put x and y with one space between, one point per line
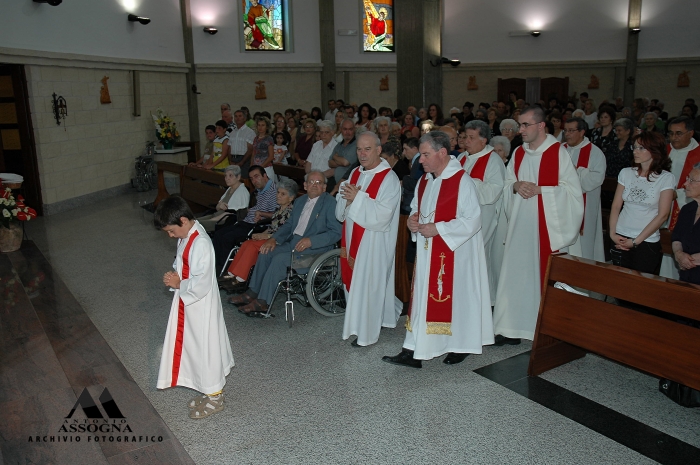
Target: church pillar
418 40
191 78
633 28
327 39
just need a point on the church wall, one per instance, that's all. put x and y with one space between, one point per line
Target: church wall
295 86
225 46
95 27
363 82
92 155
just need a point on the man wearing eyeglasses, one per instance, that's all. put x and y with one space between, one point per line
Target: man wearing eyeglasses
684 152
312 229
368 205
590 167
543 201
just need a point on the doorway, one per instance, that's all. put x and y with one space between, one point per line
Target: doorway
17 149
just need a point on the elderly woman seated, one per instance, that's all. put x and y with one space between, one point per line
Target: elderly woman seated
511 130
236 197
501 145
686 234
248 253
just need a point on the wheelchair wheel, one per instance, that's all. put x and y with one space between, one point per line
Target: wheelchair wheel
324 287
152 174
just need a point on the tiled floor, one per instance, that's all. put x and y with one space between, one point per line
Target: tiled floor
296 395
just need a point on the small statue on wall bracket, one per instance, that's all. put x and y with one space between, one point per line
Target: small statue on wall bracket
595 83
684 79
384 83
472 85
260 90
104 91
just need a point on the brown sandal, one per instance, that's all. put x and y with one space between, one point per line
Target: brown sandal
240 299
253 307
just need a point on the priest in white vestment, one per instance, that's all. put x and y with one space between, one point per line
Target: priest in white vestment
487 170
547 193
450 311
368 205
684 152
590 165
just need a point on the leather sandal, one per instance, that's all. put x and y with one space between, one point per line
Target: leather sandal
253 307
240 299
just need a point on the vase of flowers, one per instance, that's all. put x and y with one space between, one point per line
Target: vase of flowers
166 129
12 211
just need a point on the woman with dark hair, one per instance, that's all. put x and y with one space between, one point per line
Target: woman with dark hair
556 119
263 146
364 116
316 114
619 155
435 114
493 122
604 136
408 125
305 141
646 190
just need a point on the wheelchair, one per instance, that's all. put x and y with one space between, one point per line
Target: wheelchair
314 281
146 170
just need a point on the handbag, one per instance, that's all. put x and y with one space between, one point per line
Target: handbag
680 394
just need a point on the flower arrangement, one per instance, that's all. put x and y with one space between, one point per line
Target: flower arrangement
166 129
13 210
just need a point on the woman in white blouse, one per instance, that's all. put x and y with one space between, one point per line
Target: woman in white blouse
646 190
236 197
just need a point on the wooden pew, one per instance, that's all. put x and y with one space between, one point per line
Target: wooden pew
295 173
201 196
569 325
163 167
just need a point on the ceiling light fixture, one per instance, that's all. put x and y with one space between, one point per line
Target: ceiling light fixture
50 2
140 19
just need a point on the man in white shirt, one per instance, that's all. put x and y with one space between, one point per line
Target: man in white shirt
241 140
332 110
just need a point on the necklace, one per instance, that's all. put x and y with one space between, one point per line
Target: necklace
427 219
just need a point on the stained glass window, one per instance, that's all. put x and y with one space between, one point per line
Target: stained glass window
263 24
378 26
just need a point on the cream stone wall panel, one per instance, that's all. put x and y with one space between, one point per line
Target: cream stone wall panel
364 87
661 81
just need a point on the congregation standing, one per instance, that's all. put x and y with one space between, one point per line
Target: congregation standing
488 195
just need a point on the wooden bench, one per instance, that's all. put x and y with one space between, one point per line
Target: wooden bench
199 195
295 173
569 325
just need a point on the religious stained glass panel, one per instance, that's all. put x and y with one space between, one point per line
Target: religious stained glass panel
378 25
263 24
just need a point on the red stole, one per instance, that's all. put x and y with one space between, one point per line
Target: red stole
463 161
347 259
479 169
440 282
692 158
547 176
584 157
179 336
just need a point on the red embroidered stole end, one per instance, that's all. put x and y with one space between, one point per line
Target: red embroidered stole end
180 335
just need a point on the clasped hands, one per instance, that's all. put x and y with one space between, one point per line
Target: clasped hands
171 279
349 192
527 189
685 260
622 243
425 230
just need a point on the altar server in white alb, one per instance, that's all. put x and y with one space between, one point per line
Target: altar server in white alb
450 310
487 170
543 200
589 162
196 352
368 205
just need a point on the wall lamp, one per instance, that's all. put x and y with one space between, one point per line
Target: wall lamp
211 30
534 33
445 61
50 2
140 19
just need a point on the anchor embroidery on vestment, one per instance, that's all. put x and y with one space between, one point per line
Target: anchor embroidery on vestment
439 281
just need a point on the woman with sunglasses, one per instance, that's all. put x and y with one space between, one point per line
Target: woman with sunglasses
646 190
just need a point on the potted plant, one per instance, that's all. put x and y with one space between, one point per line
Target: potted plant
12 211
166 129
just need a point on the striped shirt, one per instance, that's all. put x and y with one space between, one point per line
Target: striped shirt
239 139
266 202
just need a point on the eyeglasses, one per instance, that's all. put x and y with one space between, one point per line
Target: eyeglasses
677 133
638 147
527 125
507 130
315 182
689 179
308 127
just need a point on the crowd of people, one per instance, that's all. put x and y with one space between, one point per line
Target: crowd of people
488 196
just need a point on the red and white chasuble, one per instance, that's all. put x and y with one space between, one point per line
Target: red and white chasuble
590 165
450 308
196 351
537 226
368 243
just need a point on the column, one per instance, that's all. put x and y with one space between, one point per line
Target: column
418 28
191 78
633 29
327 42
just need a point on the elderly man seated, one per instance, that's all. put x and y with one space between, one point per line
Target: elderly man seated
312 229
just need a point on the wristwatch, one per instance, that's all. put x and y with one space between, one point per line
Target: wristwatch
634 243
